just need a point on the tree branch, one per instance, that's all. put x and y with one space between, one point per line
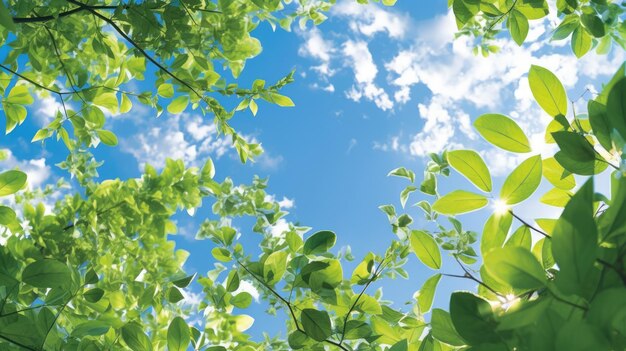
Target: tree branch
374 276
47 18
136 46
289 306
530 226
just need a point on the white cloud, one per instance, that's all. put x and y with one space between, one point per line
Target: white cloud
360 59
186 137
46 109
246 286
316 47
369 20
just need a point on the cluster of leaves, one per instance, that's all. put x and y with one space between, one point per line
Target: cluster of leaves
97 270
89 55
589 23
564 291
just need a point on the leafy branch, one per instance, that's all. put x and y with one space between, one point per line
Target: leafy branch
289 306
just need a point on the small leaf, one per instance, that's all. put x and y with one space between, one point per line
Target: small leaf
471 166
166 90
459 201
581 42
495 231
502 132
11 182
178 105
107 137
427 293
404 173
316 324
522 182
319 242
20 95
517 24
548 91
93 295
426 249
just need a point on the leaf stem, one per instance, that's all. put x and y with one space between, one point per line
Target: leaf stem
530 226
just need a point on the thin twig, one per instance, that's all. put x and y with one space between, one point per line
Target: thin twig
530 226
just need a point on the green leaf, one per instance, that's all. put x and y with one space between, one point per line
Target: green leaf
166 90
515 266
91 328
404 195
6 20
184 282
426 249
502 132
521 237
427 293
11 182
578 335
557 175
459 201
575 146
7 216
15 114
616 107
581 42
280 100
232 282
471 166
316 324
20 95
495 231
241 300
178 335
319 242
599 120
443 329
556 197
613 222
174 295
464 10
275 266
548 91
473 318
580 167
46 273
522 182
107 137
93 295
221 254
134 337
178 105
404 173
107 100
517 24
594 24
575 241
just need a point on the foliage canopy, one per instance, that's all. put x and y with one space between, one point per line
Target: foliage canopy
100 272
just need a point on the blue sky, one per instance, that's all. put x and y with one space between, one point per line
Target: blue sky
376 88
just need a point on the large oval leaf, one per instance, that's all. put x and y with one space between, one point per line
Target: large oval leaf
178 335
515 266
616 107
495 231
548 91
459 201
473 318
426 249
557 175
319 242
316 324
502 132
134 337
46 273
427 293
522 182
471 165
11 182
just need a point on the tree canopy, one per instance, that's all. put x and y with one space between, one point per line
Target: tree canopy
100 271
